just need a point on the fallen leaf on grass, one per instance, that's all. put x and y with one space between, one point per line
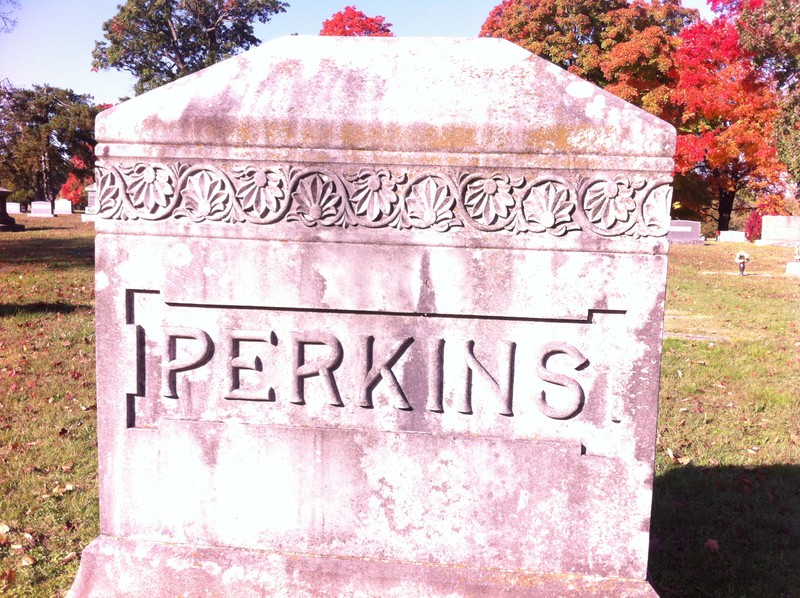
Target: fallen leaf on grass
70 557
27 561
711 545
8 576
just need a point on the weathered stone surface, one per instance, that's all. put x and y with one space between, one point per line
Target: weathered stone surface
685 232
375 317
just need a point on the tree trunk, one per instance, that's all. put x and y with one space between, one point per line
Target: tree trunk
725 208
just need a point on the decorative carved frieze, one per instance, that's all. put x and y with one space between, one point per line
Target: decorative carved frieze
606 205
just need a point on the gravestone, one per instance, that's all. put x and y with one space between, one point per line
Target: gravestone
793 269
731 236
91 204
780 230
685 232
62 207
378 317
41 209
13 207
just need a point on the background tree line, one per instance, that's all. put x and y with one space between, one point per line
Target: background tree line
730 87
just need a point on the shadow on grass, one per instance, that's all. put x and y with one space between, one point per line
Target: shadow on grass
726 531
14 309
60 253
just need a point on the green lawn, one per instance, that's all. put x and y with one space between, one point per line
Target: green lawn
726 518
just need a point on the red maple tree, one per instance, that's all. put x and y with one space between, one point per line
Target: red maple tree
74 189
728 108
351 22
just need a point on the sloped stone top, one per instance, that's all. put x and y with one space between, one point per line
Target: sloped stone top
389 94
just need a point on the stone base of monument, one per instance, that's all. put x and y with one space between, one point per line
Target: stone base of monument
41 209
116 567
10 226
793 269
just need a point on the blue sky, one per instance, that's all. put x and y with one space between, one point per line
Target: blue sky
53 40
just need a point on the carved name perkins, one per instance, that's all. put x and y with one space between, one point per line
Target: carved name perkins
299 358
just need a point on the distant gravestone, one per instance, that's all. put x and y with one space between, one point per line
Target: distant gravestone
41 209
731 236
685 232
62 207
91 204
13 207
378 317
793 269
780 230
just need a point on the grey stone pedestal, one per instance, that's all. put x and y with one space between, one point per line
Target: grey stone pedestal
7 223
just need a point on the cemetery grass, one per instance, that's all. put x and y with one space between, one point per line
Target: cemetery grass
727 491
48 456
726 517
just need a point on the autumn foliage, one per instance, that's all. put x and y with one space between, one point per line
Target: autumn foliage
624 47
74 189
721 95
728 109
351 22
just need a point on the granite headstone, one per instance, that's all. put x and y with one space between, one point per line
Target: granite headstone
41 209
62 207
731 236
378 317
91 204
685 232
780 230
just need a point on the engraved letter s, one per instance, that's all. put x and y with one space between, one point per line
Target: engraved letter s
574 403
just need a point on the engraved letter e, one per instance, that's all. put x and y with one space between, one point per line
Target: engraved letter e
171 365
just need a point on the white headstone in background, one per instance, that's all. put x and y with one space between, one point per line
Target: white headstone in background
91 204
41 209
378 317
62 207
685 232
13 207
780 230
731 236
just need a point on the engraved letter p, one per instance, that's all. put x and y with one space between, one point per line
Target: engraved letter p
171 364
